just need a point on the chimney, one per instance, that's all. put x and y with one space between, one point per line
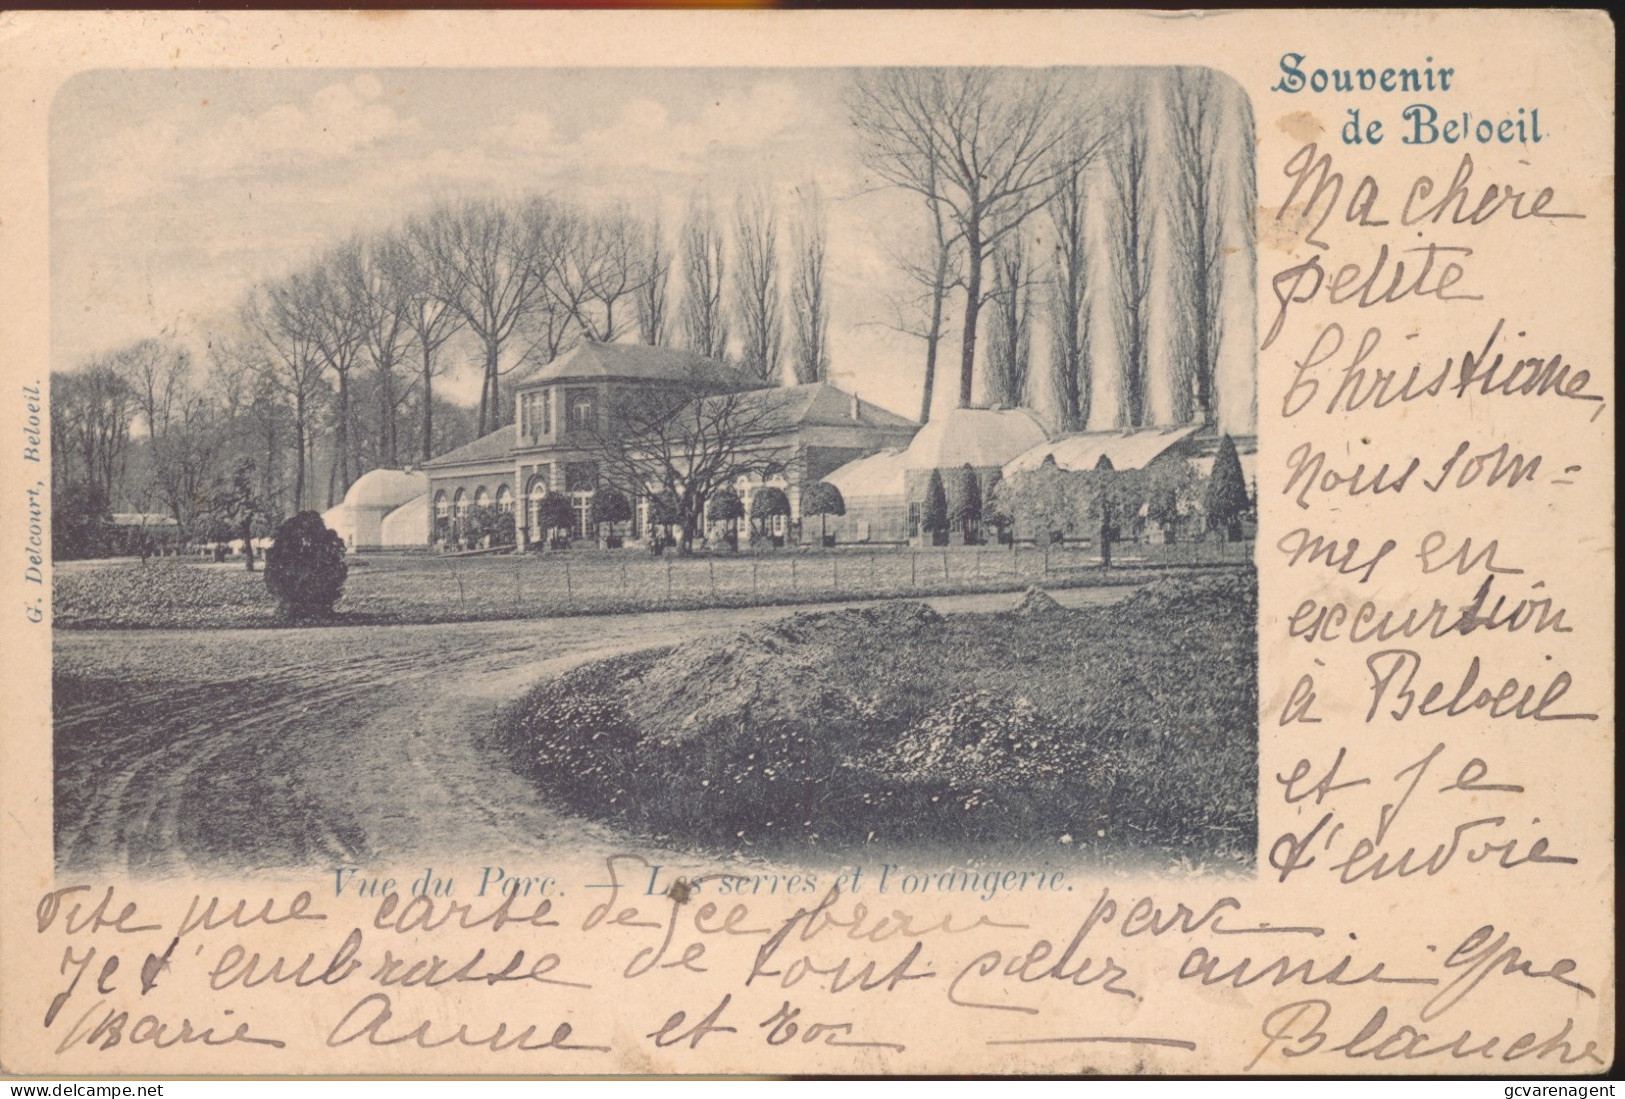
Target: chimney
855 408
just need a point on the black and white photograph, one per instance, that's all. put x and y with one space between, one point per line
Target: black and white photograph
897 543
769 465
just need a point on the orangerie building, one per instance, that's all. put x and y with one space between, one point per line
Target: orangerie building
567 409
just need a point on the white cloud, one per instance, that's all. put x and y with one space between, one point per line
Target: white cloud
337 122
527 131
179 212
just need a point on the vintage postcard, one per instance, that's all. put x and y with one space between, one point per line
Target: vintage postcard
808 543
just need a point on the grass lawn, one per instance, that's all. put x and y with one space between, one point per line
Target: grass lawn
383 589
1128 730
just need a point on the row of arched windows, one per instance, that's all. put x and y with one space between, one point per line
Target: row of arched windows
451 511
456 506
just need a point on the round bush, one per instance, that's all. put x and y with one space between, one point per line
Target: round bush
304 568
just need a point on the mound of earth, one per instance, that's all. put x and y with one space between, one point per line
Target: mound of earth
1037 601
764 675
1134 723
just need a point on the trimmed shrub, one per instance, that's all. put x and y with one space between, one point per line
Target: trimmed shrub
934 515
965 512
304 568
486 520
724 507
822 499
1226 500
767 504
610 507
555 513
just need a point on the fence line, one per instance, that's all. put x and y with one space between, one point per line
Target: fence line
582 579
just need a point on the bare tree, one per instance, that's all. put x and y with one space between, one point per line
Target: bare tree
185 428
936 273
690 442
378 282
985 145
1009 351
186 457
92 411
1195 118
488 253
1071 374
332 301
705 322
809 306
431 289
159 372
595 269
257 417
651 297
756 286
289 361
1133 227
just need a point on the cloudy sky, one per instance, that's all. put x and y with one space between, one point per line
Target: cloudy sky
174 191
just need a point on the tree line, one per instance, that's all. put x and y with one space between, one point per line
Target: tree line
1032 190
1047 206
332 370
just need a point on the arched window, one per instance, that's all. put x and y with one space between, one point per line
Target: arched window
482 498
459 512
442 517
504 500
535 493
581 412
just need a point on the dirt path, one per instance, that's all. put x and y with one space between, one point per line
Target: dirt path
229 751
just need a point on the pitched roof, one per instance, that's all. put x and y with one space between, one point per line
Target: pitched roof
1126 449
492 447
779 408
626 360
